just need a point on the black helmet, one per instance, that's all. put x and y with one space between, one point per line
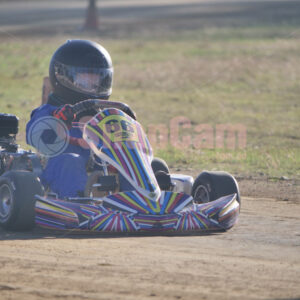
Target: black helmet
81 70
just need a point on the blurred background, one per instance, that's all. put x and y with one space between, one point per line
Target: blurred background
210 62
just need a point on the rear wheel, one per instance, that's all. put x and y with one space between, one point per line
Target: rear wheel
17 203
209 186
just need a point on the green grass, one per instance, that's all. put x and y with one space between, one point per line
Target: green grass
246 76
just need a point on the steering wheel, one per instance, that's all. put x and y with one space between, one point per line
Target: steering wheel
102 104
96 104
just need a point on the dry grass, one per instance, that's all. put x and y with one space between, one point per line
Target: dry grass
246 75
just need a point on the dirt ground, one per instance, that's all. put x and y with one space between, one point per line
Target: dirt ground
258 259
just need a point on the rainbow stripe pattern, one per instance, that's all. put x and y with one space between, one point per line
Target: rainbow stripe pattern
130 212
121 141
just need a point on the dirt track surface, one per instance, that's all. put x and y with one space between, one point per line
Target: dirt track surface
258 259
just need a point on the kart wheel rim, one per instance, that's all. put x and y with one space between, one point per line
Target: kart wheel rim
201 194
6 201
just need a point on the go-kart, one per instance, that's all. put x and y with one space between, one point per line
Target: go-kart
156 201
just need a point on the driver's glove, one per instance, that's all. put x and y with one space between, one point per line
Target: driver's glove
65 113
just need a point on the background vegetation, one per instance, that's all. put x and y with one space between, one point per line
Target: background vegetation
214 75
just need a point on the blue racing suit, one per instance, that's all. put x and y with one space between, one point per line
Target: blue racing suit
65 173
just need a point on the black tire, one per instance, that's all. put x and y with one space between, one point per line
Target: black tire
159 164
17 203
209 186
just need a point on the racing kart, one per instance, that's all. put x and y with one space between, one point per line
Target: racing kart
156 201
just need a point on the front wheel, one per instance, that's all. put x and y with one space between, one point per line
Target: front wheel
17 203
209 186
159 164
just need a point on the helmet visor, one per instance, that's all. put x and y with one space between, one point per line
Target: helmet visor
95 82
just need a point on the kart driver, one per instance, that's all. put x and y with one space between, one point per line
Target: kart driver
79 70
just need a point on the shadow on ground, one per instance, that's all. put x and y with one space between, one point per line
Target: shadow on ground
39 233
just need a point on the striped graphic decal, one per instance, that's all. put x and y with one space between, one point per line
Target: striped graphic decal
57 214
113 222
219 214
134 202
156 222
52 215
131 212
128 150
191 220
211 208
